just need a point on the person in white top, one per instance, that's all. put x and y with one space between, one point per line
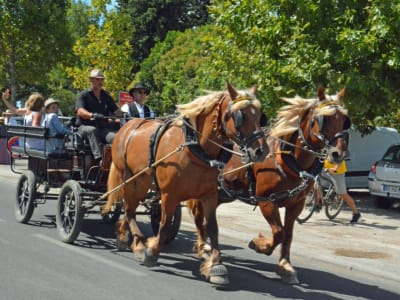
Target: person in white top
137 108
33 113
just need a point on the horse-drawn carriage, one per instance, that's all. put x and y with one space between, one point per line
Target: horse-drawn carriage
71 177
183 160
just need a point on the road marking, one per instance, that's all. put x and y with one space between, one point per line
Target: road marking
90 255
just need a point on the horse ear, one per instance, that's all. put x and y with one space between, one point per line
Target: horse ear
232 91
321 93
340 95
253 89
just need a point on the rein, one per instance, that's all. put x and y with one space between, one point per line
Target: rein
118 187
321 154
210 140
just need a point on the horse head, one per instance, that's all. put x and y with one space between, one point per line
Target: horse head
242 122
328 124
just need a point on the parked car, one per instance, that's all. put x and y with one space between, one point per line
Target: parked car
364 151
384 178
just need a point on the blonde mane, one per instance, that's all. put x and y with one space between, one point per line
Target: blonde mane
204 104
289 116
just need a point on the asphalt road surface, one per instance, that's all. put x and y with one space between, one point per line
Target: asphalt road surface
334 260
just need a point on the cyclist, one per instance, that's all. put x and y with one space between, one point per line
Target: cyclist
336 172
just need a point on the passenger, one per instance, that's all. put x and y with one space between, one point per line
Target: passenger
137 108
33 115
57 131
92 108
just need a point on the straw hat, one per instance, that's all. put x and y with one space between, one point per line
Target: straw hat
49 102
96 73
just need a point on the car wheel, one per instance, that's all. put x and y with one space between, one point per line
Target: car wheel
382 202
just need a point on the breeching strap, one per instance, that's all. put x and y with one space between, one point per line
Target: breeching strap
141 172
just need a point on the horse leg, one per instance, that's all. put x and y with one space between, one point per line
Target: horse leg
212 268
200 246
154 244
285 268
131 196
122 234
262 244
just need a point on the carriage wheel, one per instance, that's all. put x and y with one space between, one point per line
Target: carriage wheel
155 216
333 205
310 205
69 217
26 192
113 216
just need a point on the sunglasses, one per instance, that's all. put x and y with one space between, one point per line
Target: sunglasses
141 92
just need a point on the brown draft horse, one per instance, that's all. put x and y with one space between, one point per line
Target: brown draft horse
178 171
304 131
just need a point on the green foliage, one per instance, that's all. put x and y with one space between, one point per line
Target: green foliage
153 19
175 69
105 47
33 37
290 47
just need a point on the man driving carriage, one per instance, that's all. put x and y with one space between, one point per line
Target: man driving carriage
92 109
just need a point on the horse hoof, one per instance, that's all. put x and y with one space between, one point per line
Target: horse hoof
288 277
252 245
139 256
122 245
219 275
149 260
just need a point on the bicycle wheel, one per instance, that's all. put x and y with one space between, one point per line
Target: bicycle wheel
309 206
333 205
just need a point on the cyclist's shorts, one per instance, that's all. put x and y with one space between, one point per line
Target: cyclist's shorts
339 182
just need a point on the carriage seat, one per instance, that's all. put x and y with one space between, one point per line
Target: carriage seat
41 133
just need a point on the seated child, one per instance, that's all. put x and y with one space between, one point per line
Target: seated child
56 128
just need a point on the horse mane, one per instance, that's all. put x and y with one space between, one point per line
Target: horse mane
204 104
289 116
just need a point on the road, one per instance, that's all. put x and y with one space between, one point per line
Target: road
334 260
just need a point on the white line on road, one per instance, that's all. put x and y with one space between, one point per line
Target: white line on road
90 255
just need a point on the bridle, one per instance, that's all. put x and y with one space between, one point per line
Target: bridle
326 142
238 118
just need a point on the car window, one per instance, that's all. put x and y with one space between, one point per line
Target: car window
392 154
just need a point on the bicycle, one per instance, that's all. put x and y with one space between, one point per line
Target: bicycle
333 202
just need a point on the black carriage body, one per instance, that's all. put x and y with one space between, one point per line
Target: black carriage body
52 170
72 178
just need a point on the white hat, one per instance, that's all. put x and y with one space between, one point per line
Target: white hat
50 101
96 73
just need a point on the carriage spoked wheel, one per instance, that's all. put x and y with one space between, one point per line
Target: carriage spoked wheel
26 191
69 216
310 205
113 215
155 216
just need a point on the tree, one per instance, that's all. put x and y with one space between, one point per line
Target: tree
33 38
175 69
106 47
153 19
290 47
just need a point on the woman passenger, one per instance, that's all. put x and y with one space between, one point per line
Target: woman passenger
33 114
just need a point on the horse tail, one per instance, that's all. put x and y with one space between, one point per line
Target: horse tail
114 180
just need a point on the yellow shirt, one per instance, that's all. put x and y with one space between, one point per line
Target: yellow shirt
341 168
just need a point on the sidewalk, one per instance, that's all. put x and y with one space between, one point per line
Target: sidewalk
371 246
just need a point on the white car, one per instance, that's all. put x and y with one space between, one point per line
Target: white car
384 178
